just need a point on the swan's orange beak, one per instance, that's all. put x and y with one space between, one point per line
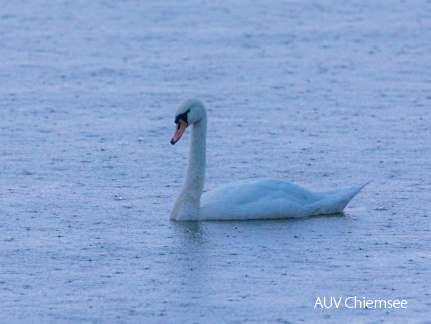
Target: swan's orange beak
179 130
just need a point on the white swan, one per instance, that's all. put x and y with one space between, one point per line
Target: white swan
259 198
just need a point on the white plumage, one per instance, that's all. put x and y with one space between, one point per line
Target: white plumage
267 198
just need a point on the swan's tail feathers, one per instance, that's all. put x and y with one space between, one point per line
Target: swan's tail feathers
334 201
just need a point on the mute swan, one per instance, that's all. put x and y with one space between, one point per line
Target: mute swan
259 198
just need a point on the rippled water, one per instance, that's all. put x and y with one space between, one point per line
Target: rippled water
321 94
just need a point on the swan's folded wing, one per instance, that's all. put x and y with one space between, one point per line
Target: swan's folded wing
261 198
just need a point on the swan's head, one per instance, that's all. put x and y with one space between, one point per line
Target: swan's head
188 113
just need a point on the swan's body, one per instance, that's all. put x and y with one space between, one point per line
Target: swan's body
267 198
257 198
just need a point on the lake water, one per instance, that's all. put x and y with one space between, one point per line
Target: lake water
321 94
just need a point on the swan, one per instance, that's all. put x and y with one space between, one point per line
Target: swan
256 198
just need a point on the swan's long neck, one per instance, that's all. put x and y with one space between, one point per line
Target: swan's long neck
195 176
188 202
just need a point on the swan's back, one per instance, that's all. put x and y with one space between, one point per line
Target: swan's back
267 198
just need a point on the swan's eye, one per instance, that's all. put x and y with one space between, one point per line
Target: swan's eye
182 116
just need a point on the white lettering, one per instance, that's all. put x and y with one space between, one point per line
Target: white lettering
339 301
355 302
318 302
324 302
345 302
380 303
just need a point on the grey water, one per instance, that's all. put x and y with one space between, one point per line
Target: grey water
321 94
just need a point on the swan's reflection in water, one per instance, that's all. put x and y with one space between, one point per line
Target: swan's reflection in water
215 263
191 231
189 264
